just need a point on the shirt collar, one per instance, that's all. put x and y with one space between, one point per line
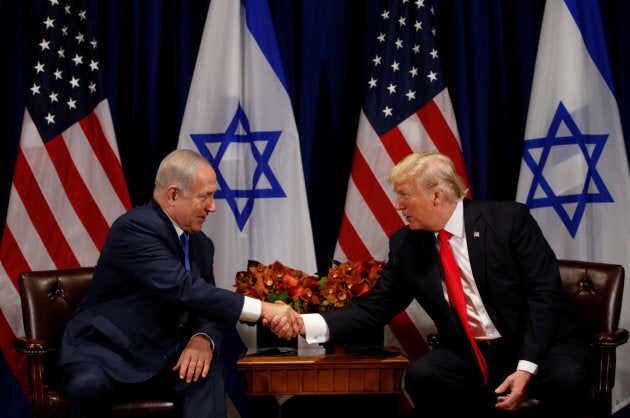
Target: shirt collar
455 224
178 230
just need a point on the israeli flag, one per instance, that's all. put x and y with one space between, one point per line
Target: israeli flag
239 116
574 175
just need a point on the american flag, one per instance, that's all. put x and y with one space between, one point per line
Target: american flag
407 108
68 185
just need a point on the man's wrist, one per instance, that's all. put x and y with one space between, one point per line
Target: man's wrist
206 337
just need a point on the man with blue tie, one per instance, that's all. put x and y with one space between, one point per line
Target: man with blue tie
152 316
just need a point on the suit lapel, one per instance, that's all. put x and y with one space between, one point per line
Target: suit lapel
172 233
476 241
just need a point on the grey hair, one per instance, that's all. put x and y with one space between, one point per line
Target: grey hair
432 171
178 168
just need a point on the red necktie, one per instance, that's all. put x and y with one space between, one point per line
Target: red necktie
456 295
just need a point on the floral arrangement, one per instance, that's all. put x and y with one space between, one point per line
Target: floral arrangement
345 283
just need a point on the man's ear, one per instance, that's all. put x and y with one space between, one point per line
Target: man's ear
171 194
438 196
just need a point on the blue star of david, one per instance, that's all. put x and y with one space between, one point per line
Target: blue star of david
593 190
261 146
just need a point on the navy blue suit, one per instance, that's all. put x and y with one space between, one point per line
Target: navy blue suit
517 275
142 304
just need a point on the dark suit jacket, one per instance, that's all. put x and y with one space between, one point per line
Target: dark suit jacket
514 268
142 303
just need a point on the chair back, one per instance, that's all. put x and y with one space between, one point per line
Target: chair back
594 293
49 298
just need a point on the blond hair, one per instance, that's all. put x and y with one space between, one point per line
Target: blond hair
432 171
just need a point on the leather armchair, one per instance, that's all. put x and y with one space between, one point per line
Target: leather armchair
594 293
49 299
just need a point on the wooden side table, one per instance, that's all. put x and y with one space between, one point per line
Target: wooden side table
331 374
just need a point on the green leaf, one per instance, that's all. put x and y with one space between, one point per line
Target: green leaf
272 297
322 282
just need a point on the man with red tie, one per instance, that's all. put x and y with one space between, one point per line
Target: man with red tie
505 333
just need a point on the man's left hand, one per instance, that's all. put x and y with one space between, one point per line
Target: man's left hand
194 362
513 391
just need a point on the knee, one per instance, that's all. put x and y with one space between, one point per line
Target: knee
569 383
419 375
88 385
438 391
563 391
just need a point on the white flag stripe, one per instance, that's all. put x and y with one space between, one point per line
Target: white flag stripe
595 228
26 236
93 174
10 303
60 206
29 138
370 145
420 320
444 103
366 225
107 125
415 135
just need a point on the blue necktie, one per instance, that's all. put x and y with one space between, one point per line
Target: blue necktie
184 238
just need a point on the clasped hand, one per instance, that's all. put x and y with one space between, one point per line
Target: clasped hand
282 319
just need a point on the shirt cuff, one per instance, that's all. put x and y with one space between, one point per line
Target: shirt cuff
527 366
316 328
252 308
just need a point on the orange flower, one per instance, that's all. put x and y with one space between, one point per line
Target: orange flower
345 283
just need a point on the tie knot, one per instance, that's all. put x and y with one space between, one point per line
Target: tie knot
444 235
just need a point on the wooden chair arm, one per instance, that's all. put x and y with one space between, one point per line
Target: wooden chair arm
37 353
606 344
612 339
31 347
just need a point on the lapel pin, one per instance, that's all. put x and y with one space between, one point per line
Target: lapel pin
475 234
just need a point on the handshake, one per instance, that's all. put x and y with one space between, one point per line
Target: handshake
282 320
